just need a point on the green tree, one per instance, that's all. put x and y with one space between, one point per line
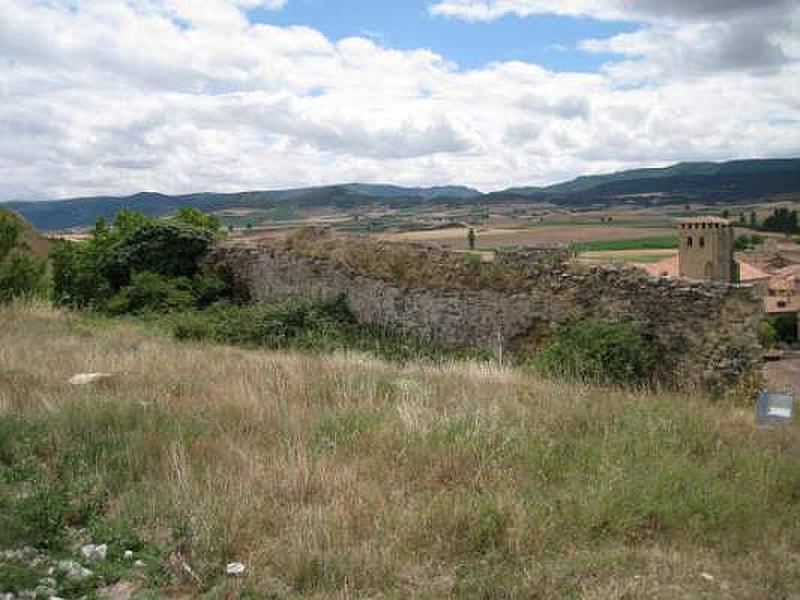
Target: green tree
767 334
93 274
10 233
22 275
782 220
188 215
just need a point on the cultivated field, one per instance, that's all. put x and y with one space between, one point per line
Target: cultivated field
342 476
540 235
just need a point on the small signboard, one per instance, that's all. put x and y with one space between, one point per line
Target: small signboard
774 408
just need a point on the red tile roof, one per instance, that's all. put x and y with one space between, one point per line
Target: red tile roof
748 272
668 267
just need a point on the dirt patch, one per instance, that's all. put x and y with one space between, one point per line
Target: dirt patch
783 374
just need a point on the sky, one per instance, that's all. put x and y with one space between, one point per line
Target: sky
103 97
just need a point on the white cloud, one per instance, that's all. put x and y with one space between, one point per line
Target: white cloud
129 95
677 37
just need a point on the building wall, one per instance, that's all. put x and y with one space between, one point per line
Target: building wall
707 329
706 252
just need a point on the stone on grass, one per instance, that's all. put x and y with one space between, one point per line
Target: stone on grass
235 569
74 570
95 551
88 378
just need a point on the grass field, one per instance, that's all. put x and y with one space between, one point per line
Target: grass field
662 242
487 238
626 256
342 476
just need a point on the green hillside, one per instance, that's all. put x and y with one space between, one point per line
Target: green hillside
731 182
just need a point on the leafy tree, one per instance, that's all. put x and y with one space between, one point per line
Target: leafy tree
767 334
188 215
21 274
753 219
90 274
10 233
746 242
782 220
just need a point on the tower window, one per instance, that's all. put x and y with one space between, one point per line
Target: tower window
689 241
702 242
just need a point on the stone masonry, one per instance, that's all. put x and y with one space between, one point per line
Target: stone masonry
708 330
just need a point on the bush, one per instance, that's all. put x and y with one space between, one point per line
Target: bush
767 335
149 292
605 352
22 275
10 233
307 325
103 273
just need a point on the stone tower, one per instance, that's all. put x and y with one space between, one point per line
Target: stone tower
706 249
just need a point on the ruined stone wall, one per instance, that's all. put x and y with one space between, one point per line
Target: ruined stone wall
707 329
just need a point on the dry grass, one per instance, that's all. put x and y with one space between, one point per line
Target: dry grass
342 476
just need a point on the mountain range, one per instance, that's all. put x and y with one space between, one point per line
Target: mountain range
728 182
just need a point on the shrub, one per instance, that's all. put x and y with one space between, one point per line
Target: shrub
767 335
168 249
10 233
21 275
189 215
600 351
307 325
101 273
149 292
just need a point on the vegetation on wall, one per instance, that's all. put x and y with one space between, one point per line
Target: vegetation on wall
601 352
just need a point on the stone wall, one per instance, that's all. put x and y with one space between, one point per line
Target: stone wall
707 329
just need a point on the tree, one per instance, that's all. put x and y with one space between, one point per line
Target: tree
188 215
105 272
753 219
10 233
22 274
782 220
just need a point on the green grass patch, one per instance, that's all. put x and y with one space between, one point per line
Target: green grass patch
666 242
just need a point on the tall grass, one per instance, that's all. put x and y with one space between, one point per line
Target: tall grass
340 475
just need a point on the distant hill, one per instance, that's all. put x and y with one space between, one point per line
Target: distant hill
710 182
80 212
730 182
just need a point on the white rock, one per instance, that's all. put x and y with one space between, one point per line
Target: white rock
87 378
95 552
128 554
707 576
139 564
235 569
74 570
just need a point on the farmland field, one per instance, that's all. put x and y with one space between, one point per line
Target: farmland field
530 237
